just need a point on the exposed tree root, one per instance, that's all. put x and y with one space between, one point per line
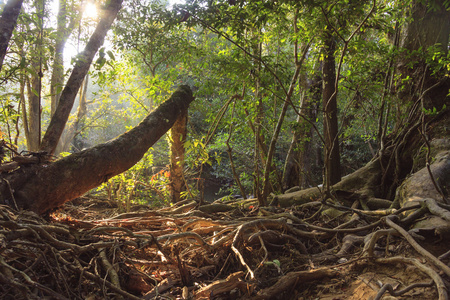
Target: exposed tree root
288 282
257 253
442 290
388 287
418 248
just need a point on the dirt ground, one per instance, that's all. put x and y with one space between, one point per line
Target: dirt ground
89 250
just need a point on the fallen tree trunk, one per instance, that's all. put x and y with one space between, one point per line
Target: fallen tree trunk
365 181
46 186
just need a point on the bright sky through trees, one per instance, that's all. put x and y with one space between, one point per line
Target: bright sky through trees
90 10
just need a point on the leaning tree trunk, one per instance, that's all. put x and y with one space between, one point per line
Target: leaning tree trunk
8 22
48 185
62 112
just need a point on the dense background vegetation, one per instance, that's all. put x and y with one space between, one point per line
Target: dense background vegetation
264 97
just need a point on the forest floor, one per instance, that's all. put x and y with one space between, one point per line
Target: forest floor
88 250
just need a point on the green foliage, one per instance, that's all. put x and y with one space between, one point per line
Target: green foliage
438 60
434 111
9 117
223 49
196 153
139 185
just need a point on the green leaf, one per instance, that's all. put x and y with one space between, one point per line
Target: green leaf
111 55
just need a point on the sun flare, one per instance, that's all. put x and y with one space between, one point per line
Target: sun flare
90 10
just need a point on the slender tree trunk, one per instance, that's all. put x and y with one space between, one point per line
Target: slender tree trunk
292 167
46 186
277 130
330 121
63 32
230 154
71 131
62 112
8 22
260 143
56 82
177 139
305 155
34 110
35 83
276 133
299 160
23 104
259 114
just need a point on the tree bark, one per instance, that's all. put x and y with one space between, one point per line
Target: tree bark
62 34
43 187
34 109
299 160
420 185
23 106
34 84
365 181
330 122
275 135
8 22
62 112
177 139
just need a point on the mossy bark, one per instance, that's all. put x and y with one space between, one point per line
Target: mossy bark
46 186
365 181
